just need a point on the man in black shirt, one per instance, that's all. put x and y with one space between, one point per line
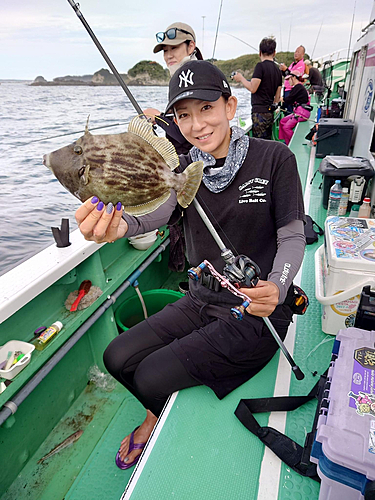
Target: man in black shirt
265 87
315 78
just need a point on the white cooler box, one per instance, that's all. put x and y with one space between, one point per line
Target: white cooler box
343 266
344 445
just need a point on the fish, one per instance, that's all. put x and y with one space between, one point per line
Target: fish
135 168
67 442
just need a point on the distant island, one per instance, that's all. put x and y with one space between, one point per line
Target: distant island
146 73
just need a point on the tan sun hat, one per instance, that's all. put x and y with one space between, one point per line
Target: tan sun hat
175 34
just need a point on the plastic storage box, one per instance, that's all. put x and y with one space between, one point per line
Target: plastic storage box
334 137
344 445
360 166
15 345
343 266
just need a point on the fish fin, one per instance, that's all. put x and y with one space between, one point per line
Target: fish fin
148 207
87 125
194 173
142 128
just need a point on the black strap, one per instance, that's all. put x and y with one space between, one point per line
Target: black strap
290 452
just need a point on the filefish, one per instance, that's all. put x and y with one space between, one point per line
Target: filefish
67 442
134 168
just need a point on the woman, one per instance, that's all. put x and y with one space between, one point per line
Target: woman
195 340
298 98
178 43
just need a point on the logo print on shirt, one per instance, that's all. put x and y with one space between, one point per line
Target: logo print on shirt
187 78
253 191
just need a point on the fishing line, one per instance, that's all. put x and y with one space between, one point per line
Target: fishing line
217 30
72 133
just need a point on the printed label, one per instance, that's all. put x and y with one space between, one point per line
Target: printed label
362 394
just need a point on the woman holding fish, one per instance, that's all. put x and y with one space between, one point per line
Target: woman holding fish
252 193
178 43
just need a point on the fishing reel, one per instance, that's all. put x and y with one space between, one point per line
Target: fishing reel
238 272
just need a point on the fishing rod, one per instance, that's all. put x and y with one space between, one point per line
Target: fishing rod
248 44
316 41
217 30
240 270
75 7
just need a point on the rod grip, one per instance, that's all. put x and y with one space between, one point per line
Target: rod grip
298 373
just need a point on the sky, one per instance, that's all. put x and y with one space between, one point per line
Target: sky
46 38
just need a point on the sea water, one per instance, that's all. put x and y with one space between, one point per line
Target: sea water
31 199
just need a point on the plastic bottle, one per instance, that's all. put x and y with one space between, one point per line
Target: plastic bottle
344 201
365 209
334 198
48 334
354 211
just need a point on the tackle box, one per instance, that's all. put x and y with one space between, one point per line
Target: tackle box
344 445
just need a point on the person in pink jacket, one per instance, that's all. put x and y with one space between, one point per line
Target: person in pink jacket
297 65
299 100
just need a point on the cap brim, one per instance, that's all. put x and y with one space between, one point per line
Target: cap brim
167 41
200 94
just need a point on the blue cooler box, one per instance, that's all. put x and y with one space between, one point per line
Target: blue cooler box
344 446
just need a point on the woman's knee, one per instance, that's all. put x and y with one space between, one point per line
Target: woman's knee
111 360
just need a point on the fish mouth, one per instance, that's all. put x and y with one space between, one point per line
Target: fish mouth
46 162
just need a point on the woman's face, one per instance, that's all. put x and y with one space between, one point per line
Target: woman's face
173 54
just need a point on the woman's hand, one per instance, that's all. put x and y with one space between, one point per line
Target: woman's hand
151 113
101 223
264 298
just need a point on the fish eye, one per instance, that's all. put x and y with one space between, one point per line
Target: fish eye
81 171
78 150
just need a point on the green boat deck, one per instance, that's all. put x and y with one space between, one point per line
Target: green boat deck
199 450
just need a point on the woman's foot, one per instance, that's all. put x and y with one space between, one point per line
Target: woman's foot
141 435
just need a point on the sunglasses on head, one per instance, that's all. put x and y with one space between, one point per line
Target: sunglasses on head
170 34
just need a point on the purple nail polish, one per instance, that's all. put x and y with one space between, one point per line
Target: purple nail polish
100 206
118 206
95 200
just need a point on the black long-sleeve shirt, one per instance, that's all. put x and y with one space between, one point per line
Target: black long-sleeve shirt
298 95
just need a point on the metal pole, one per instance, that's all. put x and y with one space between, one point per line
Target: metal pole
75 7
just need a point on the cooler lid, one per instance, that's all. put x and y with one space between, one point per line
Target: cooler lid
344 166
350 243
347 431
335 123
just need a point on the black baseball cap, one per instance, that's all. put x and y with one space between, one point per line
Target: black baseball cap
197 80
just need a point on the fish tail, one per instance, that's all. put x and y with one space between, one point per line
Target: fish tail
194 173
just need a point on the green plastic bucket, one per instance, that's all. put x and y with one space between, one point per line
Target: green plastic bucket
130 312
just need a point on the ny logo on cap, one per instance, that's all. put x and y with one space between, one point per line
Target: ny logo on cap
187 78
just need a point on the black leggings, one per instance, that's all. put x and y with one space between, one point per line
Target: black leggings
146 366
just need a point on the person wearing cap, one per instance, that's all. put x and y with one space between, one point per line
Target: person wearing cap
178 43
299 100
314 77
296 65
265 88
252 194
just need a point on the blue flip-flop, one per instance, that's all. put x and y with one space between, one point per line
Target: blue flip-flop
132 446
